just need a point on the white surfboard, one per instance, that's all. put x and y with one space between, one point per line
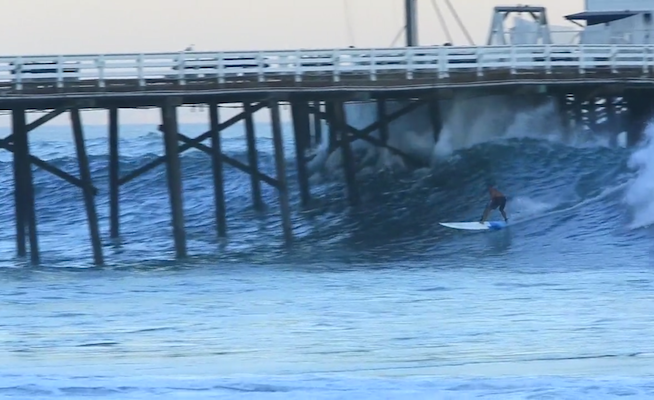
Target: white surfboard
476 226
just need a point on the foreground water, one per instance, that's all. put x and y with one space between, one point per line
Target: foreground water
376 304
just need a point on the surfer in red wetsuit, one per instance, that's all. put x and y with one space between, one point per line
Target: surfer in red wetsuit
497 200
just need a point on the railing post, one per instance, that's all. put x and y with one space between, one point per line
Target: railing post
581 59
99 63
442 62
336 61
548 59
645 59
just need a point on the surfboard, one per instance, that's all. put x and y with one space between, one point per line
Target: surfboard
476 226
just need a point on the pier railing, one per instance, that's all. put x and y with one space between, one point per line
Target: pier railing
101 72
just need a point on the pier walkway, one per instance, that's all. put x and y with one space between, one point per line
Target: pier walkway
137 78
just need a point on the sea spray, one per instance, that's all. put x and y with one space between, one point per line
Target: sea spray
640 193
469 118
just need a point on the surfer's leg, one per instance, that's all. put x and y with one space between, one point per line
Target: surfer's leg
502 204
486 211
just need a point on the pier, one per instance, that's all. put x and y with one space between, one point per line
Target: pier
593 84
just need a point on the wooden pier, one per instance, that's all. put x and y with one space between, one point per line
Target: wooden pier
592 83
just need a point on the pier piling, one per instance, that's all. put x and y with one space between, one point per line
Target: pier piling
612 121
173 169
280 166
348 158
253 162
317 124
382 117
87 188
332 130
301 130
591 114
217 168
25 204
114 174
19 185
435 117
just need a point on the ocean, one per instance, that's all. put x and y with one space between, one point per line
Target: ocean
374 302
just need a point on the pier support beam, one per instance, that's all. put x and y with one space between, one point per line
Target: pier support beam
217 166
348 157
612 126
87 189
332 134
19 199
193 143
435 117
280 167
382 118
578 114
173 169
24 189
114 174
591 114
253 162
363 134
301 128
317 125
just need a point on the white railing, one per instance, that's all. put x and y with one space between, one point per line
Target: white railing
263 66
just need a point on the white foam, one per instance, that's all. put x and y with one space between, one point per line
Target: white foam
640 192
524 207
469 118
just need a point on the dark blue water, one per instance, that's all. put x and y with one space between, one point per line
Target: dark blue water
377 301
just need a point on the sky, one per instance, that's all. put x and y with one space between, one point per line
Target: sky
120 26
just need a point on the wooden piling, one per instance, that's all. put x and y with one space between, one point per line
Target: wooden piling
25 199
382 117
87 189
217 167
435 117
332 134
300 114
578 113
348 156
173 169
257 200
611 121
317 125
591 114
19 192
281 171
114 174
564 113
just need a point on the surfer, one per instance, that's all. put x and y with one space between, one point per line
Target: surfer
497 200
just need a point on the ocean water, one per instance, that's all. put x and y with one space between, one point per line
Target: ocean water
378 302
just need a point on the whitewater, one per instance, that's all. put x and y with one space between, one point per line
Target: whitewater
371 302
